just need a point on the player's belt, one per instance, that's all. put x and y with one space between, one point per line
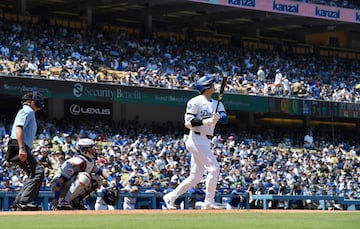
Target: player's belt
208 136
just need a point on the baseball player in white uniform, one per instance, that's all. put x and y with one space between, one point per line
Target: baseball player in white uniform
201 118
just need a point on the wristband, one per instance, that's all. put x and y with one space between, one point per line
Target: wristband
22 147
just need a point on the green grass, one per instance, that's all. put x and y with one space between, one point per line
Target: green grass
318 220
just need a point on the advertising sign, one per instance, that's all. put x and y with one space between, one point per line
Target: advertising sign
349 110
96 99
86 109
285 106
294 8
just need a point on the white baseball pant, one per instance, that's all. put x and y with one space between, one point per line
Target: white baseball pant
202 159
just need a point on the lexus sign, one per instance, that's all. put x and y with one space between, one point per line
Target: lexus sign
76 109
80 109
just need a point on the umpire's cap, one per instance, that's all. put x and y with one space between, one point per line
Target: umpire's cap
35 96
205 82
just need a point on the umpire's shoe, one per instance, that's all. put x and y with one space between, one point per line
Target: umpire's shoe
32 206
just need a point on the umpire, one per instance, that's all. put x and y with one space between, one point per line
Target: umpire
24 131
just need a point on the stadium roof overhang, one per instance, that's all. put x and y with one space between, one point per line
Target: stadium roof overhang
179 15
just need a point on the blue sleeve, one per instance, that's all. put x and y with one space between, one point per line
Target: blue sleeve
223 117
99 172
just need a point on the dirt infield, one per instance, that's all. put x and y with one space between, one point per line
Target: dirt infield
151 211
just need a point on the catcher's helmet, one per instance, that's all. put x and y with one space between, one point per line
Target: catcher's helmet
205 82
87 147
36 96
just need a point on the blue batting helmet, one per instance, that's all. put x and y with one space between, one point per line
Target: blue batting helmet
205 82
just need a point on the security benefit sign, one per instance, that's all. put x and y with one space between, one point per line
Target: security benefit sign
84 109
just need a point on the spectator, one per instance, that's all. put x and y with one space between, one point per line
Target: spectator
6 185
277 82
296 87
238 198
130 187
158 190
69 146
100 203
44 159
261 74
309 141
197 196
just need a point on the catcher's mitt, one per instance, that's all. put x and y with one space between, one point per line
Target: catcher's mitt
111 196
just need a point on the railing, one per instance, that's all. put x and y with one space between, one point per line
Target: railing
8 197
152 200
347 203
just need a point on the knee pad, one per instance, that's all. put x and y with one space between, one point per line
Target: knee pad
84 179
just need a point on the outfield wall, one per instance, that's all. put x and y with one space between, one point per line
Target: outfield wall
149 200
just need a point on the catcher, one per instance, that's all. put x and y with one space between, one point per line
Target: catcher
77 178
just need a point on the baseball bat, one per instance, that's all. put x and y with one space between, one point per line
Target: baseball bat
221 93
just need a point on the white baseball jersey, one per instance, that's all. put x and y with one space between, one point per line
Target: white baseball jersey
200 107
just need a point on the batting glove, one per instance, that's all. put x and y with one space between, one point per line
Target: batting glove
217 116
212 120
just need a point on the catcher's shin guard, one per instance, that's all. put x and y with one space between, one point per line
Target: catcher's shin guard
82 181
77 202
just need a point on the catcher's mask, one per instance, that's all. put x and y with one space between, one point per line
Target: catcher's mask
87 147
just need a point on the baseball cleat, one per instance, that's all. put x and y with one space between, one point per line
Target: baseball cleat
170 205
78 204
212 206
64 205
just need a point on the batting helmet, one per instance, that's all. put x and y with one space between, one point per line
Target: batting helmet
205 82
87 147
36 96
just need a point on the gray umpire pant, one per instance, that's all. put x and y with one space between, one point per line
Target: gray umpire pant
30 190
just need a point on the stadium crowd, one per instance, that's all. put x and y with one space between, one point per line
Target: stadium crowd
252 161
33 50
